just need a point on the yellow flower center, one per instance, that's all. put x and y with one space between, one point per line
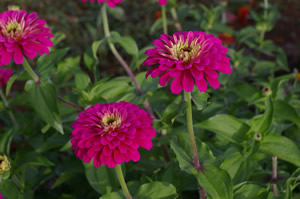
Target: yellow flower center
111 121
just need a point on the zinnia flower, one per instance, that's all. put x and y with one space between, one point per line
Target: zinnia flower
112 133
1 195
4 76
22 34
243 15
227 38
188 57
163 2
111 3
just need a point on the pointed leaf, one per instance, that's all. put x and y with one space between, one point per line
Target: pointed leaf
155 190
282 147
226 126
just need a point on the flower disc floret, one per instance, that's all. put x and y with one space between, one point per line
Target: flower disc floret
188 58
112 133
111 3
22 34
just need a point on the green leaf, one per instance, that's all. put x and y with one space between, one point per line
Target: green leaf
44 101
282 147
95 47
263 124
114 195
102 179
172 111
155 190
251 191
284 111
282 60
200 99
211 176
127 42
216 182
58 37
183 157
5 142
9 190
82 80
238 167
63 178
10 82
226 126
46 62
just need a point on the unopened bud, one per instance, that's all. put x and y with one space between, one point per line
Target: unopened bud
4 164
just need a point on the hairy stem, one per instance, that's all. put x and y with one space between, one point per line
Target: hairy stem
75 106
164 19
189 118
10 113
122 181
274 175
114 50
30 71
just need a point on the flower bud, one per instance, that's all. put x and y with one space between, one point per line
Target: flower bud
4 164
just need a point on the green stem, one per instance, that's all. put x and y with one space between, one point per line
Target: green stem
114 50
164 19
175 17
6 105
122 181
189 118
30 71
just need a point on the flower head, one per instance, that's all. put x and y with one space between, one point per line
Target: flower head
22 34
4 164
243 15
111 3
112 133
227 38
4 76
188 57
163 2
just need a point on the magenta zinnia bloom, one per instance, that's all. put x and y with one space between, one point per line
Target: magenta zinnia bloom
111 3
4 76
112 133
188 57
163 2
1 195
22 34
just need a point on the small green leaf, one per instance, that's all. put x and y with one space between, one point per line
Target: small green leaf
238 167
263 124
216 182
200 99
127 42
82 80
102 179
155 190
251 191
9 84
44 101
63 178
285 111
47 61
114 195
226 126
95 47
282 147
9 190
